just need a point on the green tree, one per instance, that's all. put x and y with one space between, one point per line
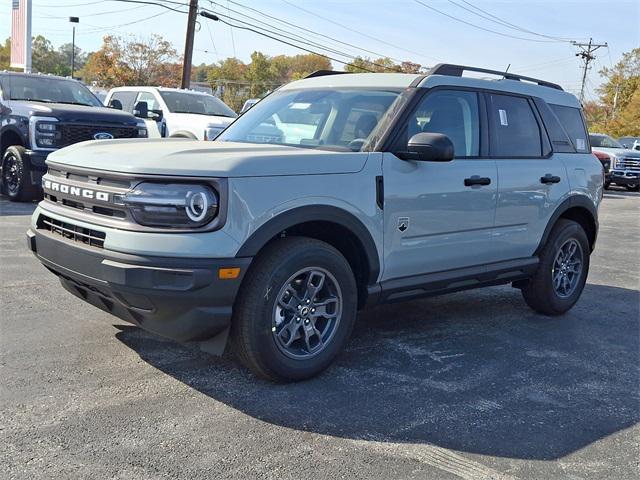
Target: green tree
5 54
259 74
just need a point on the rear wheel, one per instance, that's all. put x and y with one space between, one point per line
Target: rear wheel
16 176
295 311
562 272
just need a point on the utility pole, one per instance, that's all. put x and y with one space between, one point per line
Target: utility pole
73 20
586 53
188 44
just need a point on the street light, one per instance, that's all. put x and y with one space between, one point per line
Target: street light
73 44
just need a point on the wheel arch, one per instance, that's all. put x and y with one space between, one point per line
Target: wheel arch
581 210
10 137
333 225
183 134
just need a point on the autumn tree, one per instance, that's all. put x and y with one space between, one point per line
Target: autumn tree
5 54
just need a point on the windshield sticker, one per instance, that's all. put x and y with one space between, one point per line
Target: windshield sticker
503 117
581 144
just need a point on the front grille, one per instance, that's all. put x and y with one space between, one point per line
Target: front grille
87 236
628 163
71 133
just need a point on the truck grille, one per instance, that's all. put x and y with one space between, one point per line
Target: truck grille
71 133
628 163
87 236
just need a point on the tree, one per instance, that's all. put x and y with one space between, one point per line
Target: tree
259 74
381 65
107 67
45 59
5 55
64 56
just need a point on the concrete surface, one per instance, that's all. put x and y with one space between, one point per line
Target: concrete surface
472 385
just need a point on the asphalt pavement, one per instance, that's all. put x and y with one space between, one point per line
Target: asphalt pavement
472 385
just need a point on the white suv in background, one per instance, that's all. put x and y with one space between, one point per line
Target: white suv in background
172 112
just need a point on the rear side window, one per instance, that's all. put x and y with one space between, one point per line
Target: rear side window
125 98
514 129
571 119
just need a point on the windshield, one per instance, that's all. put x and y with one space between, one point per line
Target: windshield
319 118
48 90
197 103
604 141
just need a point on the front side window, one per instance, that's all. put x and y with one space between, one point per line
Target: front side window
514 129
451 112
152 102
49 90
571 119
604 141
336 118
196 103
125 98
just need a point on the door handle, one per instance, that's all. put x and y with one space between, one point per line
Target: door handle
476 180
548 178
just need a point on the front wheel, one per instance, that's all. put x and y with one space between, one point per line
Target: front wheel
633 187
295 310
16 178
562 271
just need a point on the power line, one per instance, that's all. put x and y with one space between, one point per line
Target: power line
304 29
586 53
493 18
351 29
211 16
481 28
101 13
298 39
155 3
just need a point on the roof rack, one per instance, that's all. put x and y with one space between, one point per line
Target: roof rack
323 73
457 71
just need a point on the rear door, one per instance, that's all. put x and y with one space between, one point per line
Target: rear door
532 181
436 216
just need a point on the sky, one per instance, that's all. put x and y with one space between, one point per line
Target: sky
422 31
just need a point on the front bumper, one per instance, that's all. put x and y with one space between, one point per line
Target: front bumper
178 298
625 177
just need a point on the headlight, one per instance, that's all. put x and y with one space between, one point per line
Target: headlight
173 205
211 132
615 161
142 130
46 133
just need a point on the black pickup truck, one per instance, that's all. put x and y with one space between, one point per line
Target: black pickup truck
42 113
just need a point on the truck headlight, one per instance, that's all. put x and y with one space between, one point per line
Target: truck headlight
46 133
171 205
211 132
142 130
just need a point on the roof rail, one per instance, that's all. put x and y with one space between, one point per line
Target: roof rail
323 73
457 71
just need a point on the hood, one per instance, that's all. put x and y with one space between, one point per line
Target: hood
619 152
183 157
75 113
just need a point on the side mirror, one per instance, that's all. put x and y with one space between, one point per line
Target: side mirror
156 115
115 103
429 147
141 110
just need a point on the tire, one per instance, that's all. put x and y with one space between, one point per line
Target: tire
540 293
16 178
261 326
607 185
633 187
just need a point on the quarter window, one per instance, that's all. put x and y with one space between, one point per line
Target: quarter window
514 129
453 113
571 119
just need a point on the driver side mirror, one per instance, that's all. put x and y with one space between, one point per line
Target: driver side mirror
141 110
429 147
115 103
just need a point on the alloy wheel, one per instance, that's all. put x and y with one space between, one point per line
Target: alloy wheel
567 268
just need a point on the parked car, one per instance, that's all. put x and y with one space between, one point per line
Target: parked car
632 143
605 160
42 113
392 193
172 112
625 163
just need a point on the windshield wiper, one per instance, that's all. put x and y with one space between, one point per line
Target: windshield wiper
76 103
31 100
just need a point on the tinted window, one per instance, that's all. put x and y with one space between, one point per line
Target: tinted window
49 90
514 129
604 141
125 98
571 119
453 113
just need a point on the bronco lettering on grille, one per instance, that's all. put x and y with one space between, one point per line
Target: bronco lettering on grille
75 191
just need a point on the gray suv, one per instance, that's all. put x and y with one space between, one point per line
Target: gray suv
335 192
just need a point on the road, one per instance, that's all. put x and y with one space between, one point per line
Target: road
472 385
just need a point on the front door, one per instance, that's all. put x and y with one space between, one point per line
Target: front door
439 216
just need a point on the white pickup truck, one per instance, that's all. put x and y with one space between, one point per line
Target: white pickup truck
172 112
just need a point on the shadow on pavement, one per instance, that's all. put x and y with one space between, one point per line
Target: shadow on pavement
8 208
475 372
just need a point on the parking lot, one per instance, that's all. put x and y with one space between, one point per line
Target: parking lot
472 385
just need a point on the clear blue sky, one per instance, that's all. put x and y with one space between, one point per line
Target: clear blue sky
402 29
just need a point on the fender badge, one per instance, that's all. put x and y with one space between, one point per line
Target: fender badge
403 224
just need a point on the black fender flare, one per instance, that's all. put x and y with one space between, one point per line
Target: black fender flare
571 202
315 213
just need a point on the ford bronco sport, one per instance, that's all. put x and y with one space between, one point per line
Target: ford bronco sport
333 193
41 113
